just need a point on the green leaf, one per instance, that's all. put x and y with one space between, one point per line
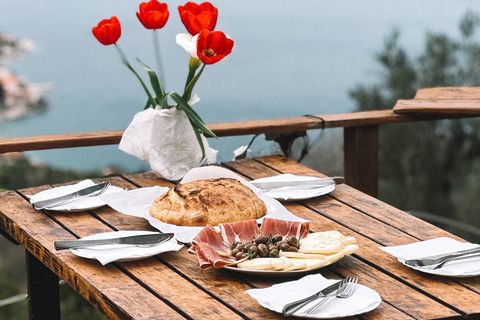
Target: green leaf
192 115
153 80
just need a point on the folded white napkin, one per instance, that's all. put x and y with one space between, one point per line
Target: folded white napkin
292 187
437 246
87 203
117 252
137 202
277 296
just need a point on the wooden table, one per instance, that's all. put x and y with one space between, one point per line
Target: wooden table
171 286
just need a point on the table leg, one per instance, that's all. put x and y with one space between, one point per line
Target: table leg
43 291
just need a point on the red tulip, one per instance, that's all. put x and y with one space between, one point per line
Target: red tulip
213 46
153 14
198 17
108 31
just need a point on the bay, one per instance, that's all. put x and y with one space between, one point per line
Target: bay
291 58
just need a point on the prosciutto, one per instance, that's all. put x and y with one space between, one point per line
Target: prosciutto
213 238
239 231
208 257
285 228
213 248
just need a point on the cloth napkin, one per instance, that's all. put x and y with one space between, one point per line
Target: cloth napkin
277 296
73 205
300 191
437 246
117 252
137 202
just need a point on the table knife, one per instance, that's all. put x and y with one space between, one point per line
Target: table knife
86 192
436 259
290 308
143 239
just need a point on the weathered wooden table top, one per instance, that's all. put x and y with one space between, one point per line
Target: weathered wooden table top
171 285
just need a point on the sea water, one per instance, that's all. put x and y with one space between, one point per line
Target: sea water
290 58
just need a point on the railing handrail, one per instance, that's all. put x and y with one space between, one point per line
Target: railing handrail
343 120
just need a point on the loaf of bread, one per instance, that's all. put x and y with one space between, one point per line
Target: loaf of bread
208 201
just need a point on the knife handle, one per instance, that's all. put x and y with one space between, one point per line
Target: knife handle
67 244
290 308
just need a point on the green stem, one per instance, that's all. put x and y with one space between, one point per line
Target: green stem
158 58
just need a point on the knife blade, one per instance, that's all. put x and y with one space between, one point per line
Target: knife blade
86 192
143 239
436 259
291 307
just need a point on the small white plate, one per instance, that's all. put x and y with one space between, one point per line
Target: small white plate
121 253
83 204
459 268
295 194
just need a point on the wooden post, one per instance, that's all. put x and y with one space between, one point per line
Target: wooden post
43 291
361 158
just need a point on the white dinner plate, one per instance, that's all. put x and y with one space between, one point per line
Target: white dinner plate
275 273
363 299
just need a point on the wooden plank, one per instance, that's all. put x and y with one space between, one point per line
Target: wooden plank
361 158
441 106
457 93
37 233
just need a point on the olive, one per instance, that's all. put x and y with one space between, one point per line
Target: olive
253 249
261 239
272 247
273 253
235 251
279 243
293 241
247 247
240 246
285 247
244 255
234 244
239 255
293 249
262 250
277 237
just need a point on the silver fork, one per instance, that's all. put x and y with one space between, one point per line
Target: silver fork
344 291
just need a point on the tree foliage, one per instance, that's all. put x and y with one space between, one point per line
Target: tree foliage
431 166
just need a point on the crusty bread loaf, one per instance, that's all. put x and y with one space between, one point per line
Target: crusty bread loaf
208 201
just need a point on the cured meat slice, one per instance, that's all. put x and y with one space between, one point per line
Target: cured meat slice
207 257
285 228
239 231
213 238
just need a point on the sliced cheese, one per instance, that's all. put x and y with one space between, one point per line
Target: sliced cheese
332 234
296 264
349 249
322 246
349 240
261 264
334 257
300 255
313 263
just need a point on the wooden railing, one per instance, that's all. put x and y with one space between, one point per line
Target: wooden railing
360 130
